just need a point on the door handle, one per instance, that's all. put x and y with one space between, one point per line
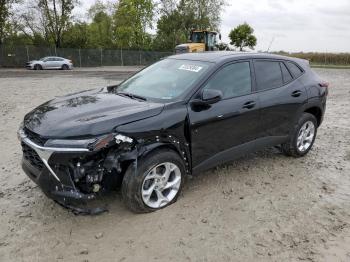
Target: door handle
296 93
249 105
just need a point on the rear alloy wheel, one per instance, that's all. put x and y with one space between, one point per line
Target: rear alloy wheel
65 67
306 136
303 136
156 182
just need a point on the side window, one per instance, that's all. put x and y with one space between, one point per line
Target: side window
294 69
287 77
232 80
268 74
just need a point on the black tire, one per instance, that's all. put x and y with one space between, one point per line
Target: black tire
133 181
290 148
65 67
38 67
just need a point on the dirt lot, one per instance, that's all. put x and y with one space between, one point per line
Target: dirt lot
264 207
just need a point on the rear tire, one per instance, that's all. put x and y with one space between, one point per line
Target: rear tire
164 188
38 67
302 138
65 67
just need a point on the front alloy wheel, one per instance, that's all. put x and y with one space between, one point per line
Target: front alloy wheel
154 182
161 185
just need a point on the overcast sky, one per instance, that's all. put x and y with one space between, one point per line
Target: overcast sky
295 25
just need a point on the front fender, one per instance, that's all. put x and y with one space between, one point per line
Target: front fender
141 150
168 129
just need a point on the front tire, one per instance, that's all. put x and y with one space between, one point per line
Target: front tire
38 67
155 184
302 138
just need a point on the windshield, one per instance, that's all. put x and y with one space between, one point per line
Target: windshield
44 58
197 37
164 80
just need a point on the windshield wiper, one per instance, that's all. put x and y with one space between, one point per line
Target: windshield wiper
132 96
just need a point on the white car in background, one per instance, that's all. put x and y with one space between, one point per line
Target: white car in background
50 62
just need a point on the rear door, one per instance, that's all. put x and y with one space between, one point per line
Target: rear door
49 63
228 123
57 62
280 95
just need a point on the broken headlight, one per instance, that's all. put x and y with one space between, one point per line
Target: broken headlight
93 144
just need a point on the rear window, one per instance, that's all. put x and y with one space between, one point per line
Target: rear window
287 77
268 74
294 69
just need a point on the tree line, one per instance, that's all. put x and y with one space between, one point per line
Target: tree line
128 24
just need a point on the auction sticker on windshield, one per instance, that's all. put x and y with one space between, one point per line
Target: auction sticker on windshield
192 68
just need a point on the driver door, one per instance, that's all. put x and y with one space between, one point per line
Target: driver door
220 131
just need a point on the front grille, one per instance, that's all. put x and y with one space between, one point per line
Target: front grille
37 139
32 157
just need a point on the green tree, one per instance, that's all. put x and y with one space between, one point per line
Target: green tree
32 24
131 19
206 12
242 36
100 31
57 15
170 31
5 26
46 20
76 36
179 17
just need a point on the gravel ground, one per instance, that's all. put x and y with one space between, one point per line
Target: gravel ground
263 207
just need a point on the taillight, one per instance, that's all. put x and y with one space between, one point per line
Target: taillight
324 84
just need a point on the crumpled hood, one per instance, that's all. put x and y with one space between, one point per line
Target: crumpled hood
87 113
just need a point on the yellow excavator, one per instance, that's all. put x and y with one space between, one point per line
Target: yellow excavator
199 41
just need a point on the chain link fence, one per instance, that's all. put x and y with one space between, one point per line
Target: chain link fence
17 56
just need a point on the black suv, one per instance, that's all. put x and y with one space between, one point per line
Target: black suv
182 115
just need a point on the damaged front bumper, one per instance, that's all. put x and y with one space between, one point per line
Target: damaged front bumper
47 167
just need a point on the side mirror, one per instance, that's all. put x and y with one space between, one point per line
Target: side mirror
211 96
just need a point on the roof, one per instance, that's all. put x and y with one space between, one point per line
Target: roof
219 56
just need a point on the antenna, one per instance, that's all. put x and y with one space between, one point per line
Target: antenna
273 39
